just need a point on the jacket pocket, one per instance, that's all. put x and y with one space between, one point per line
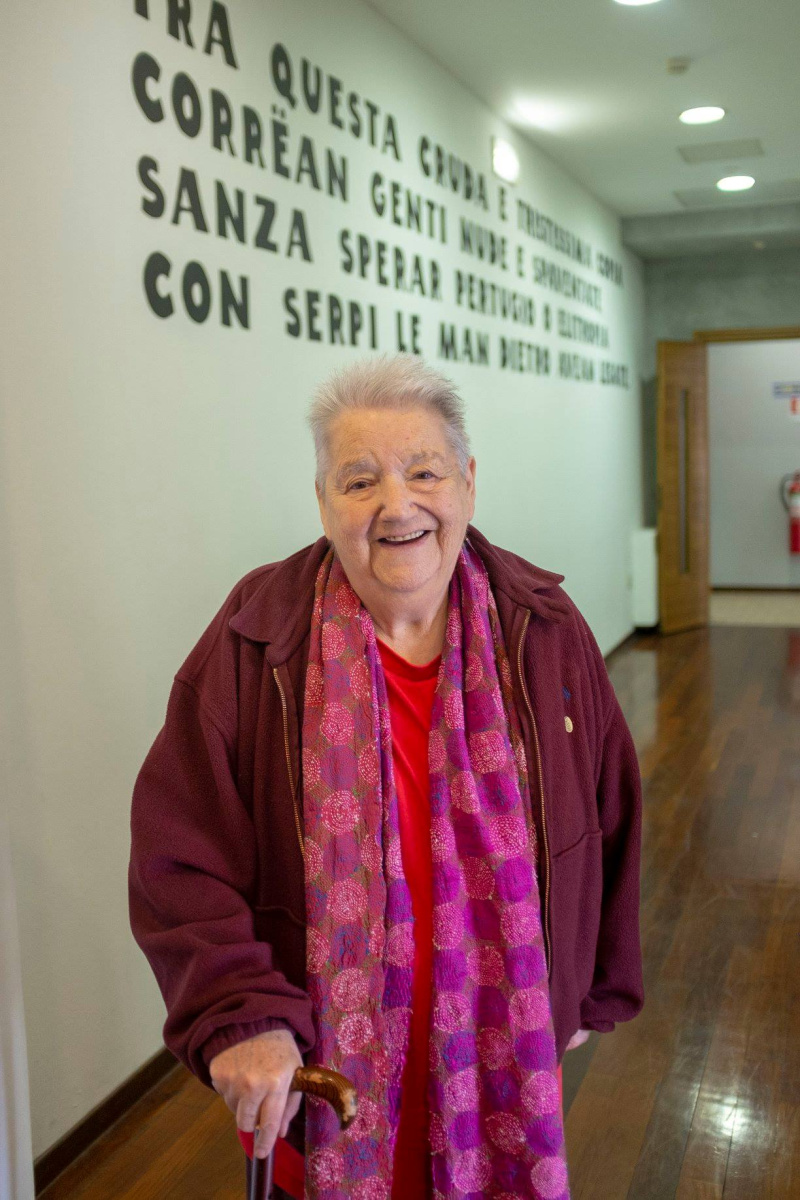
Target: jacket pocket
286 934
576 900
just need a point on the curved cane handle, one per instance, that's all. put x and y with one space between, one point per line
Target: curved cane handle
330 1086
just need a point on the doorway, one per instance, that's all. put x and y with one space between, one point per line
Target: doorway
684 474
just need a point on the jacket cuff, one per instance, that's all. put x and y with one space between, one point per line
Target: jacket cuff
231 1035
597 1026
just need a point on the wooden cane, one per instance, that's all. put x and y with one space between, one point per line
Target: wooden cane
313 1081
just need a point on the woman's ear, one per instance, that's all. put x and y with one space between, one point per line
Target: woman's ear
320 490
470 477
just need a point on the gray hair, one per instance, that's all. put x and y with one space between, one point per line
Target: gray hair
396 381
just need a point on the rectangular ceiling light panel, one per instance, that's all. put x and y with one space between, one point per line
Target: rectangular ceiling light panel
719 151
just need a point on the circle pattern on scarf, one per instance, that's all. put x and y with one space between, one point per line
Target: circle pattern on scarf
495 1125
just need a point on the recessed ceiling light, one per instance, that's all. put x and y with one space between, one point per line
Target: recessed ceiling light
735 183
702 116
505 163
637 3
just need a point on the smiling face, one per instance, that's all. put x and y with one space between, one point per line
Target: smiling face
396 505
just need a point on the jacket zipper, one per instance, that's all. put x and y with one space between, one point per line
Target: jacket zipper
546 922
297 824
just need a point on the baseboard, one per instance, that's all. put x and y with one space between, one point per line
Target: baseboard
629 637
61 1155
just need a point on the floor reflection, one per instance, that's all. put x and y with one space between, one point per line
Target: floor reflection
698 1097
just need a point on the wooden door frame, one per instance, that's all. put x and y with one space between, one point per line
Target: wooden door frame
747 335
687 592
752 334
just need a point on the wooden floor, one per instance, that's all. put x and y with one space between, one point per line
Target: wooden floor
699 1097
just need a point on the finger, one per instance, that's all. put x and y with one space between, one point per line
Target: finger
269 1121
229 1098
246 1112
293 1103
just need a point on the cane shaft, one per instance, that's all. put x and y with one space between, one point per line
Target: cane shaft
261 1178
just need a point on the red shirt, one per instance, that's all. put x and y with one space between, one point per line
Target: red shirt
410 691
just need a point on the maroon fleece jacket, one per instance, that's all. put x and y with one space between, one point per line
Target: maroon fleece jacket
216 875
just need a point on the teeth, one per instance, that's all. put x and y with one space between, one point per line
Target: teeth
409 537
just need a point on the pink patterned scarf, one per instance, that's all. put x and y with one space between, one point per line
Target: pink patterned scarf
495 1125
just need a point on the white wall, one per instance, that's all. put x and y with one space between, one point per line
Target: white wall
148 463
754 441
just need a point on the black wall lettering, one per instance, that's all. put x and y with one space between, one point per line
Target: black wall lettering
279 142
293 325
347 252
337 176
179 16
354 105
187 200
372 113
221 121
281 67
298 236
252 136
335 100
156 266
263 240
231 303
219 34
226 215
145 68
335 312
186 104
312 85
390 140
196 292
306 163
312 316
148 167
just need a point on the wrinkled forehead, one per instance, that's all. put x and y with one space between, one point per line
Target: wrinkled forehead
388 437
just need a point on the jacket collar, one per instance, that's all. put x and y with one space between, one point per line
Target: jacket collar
526 585
278 612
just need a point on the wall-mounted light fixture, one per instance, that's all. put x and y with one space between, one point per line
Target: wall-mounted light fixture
505 163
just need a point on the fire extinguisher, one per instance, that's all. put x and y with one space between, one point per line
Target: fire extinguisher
790 494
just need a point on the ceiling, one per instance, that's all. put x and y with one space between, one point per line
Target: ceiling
587 82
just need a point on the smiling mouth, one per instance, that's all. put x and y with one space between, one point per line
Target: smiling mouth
405 538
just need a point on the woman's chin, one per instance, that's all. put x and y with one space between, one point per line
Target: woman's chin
404 577
404 569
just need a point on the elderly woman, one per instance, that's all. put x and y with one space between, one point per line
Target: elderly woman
392 825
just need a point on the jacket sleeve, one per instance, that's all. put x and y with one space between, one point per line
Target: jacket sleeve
617 991
192 868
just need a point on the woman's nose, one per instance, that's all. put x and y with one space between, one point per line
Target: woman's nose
396 498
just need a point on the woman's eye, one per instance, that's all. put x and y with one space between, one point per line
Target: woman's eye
358 485
424 475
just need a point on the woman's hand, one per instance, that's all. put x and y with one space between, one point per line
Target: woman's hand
253 1077
578 1039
